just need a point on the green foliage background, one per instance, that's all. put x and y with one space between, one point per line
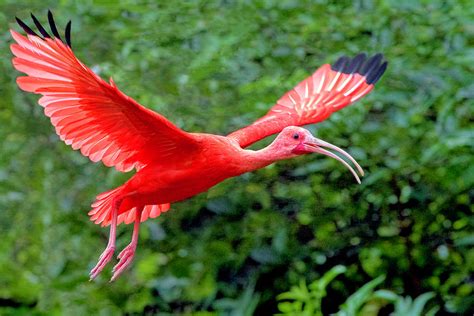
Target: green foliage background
216 66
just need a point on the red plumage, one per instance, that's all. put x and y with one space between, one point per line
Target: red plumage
106 125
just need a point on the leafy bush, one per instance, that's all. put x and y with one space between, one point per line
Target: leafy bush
307 300
216 66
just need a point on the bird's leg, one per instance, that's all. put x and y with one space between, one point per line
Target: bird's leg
109 250
127 254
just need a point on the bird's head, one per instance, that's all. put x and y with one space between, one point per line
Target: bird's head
294 141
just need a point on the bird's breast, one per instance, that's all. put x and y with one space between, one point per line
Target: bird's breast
183 179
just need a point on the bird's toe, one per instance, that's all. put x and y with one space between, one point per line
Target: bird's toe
126 258
104 258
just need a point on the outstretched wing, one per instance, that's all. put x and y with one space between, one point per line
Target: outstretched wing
329 89
88 113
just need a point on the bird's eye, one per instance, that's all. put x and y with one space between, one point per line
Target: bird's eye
296 136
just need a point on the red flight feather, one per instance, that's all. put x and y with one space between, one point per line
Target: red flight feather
92 115
314 99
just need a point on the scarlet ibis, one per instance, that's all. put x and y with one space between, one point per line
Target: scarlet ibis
172 165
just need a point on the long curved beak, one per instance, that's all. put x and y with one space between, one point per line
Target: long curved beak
314 145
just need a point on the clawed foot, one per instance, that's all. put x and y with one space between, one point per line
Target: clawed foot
103 260
126 257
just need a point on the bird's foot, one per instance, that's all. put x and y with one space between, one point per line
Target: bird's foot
126 258
103 260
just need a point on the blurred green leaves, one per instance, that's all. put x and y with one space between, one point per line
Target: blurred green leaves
305 300
216 66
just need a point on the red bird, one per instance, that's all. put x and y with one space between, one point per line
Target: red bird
171 165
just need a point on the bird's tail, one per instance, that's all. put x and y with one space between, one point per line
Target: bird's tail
102 208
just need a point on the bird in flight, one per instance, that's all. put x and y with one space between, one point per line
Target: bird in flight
95 117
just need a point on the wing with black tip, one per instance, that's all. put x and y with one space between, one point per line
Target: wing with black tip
328 90
88 113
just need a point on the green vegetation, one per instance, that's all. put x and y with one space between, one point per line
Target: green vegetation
307 300
216 66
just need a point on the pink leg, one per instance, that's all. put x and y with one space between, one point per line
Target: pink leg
109 250
127 254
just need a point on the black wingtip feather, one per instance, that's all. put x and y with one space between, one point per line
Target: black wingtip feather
43 31
340 64
67 34
25 27
52 25
372 68
356 63
372 63
376 74
40 27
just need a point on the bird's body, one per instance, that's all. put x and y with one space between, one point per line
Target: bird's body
172 165
176 180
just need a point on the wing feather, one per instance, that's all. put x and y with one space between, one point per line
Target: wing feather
328 90
89 114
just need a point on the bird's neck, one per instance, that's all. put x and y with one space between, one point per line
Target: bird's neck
257 159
